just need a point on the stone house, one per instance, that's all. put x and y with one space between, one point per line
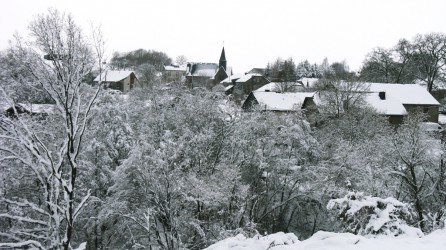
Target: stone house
174 73
122 80
243 84
398 100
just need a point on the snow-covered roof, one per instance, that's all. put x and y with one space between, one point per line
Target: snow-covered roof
239 78
387 106
281 101
229 79
113 75
175 67
275 86
405 93
257 71
202 69
247 77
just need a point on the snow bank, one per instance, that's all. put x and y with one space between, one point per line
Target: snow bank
240 242
333 241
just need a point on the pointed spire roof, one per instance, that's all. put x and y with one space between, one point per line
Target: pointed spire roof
223 56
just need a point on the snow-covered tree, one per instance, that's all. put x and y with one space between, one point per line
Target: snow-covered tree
416 161
46 154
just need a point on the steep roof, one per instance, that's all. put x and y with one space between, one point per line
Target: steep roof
405 93
228 71
281 101
113 75
223 55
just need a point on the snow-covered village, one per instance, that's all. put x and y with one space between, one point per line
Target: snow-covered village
266 125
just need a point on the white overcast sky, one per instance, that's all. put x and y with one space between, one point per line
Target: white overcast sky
254 32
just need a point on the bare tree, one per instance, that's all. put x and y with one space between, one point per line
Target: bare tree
430 56
414 159
181 60
379 66
338 96
48 151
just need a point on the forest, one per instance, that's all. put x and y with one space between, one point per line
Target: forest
168 167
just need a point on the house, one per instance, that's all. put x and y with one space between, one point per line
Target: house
207 74
412 97
243 84
174 73
200 74
279 102
122 80
395 101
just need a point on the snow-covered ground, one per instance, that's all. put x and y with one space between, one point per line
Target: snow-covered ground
333 241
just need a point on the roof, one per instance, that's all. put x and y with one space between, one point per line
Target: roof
203 69
239 78
175 67
405 93
261 71
275 86
113 75
281 101
223 55
387 106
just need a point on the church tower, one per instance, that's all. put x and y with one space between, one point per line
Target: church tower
222 62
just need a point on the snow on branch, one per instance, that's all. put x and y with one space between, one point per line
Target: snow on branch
23 244
23 219
25 203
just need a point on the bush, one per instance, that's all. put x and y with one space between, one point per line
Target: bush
366 215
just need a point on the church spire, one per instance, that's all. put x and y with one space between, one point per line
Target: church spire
222 62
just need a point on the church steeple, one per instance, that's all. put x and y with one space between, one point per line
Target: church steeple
222 62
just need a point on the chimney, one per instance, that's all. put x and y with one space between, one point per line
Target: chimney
382 95
267 90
